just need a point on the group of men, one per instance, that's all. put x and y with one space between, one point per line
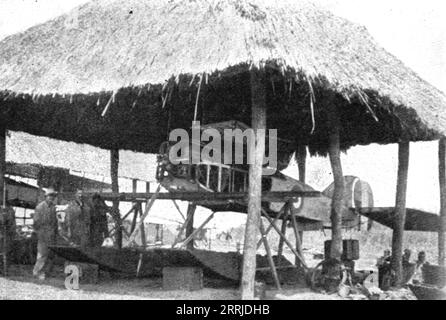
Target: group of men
412 271
84 224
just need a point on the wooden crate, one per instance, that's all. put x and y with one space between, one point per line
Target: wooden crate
182 278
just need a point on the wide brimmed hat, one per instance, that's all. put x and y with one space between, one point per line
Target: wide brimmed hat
50 191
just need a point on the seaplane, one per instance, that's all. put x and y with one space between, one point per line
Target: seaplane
180 176
312 213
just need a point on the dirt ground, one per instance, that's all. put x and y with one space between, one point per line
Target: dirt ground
20 285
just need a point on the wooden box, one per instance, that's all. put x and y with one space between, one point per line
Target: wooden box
182 278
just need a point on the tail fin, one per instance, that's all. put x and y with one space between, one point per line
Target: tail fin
357 194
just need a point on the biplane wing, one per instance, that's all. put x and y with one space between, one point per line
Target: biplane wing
416 220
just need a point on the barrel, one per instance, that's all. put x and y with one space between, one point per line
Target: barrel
350 249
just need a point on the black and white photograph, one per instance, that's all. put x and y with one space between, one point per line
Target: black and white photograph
240 152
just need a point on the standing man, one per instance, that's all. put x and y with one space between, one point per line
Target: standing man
45 225
78 220
98 223
419 264
7 230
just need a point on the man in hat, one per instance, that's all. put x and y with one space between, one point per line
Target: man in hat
78 220
45 225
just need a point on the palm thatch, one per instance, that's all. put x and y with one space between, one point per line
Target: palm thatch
135 61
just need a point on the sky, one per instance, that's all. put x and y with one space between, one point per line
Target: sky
412 30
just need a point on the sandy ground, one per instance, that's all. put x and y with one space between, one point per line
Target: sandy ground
21 286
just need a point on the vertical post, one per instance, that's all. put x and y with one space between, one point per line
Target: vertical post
190 224
442 180
2 198
334 151
281 240
297 235
2 163
114 164
301 156
256 153
400 212
138 210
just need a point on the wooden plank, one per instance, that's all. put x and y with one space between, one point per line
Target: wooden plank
442 180
269 255
400 212
334 152
256 153
114 164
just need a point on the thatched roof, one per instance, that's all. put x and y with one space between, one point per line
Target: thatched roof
67 73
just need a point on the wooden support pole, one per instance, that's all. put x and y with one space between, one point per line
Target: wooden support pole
287 242
190 223
142 228
442 180
297 235
2 163
256 154
178 209
134 185
190 238
180 232
301 156
400 212
334 151
283 230
135 216
114 164
269 255
136 213
2 196
276 218
146 213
